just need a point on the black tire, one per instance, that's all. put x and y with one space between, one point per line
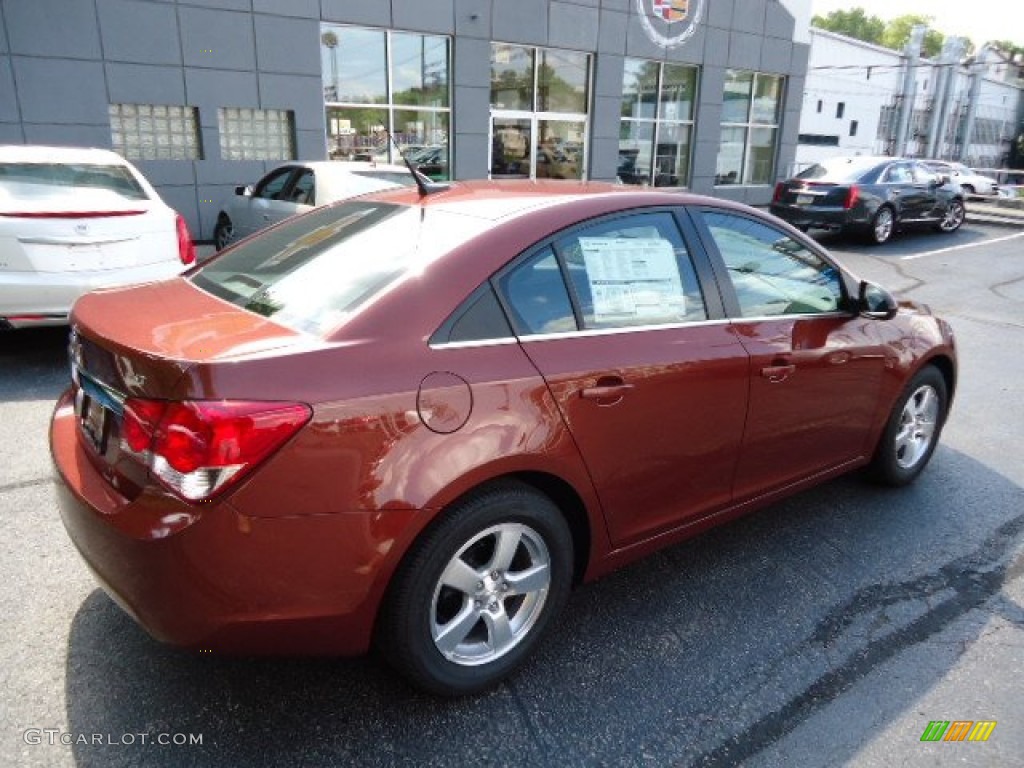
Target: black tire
223 233
968 189
953 218
883 225
912 431
463 632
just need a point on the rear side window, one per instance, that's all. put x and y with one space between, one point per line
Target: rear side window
47 180
313 271
536 294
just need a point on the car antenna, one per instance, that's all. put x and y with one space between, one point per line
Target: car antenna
423 184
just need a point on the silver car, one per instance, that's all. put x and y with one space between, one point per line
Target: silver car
970 181
297 187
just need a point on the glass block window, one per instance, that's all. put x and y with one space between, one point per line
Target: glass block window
750 126
155 131
256 134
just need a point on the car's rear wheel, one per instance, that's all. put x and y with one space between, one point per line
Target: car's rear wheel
223 233
882 225
967 188
953 218
476 594
913 429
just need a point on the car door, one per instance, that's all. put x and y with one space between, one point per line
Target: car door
816 368
268 203
648 377
929 182
911 199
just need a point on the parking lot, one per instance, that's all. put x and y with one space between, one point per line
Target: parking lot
826 630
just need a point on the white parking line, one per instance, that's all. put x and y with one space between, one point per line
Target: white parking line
961 247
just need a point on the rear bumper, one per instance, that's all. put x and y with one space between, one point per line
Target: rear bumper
823 218
29 299
210 578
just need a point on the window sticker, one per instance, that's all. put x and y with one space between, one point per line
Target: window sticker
633 280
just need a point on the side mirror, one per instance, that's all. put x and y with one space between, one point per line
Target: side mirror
875 302
244 190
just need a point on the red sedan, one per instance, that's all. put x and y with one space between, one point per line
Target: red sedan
414 421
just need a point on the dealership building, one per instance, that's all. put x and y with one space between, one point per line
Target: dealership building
204 95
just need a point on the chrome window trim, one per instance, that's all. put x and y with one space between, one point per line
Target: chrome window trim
500 341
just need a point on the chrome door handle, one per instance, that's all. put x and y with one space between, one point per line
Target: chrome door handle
777 373
605 392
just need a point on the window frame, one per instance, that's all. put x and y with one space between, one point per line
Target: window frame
749 126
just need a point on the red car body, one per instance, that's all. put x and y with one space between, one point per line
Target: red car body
641 438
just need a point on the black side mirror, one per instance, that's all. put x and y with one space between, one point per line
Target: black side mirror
243 190
875 302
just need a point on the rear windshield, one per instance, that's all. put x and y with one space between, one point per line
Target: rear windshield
837 171
313 271
49 180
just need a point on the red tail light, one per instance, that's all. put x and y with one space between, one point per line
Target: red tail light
197 449
186 248
852 195
780 189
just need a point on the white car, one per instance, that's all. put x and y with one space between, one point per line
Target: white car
298 187
72 220
970 181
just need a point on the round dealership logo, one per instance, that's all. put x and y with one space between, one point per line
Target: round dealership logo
670 22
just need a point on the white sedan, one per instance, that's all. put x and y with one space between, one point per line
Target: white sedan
970 181
72 220
296 188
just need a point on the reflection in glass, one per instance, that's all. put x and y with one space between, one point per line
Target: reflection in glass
672 161
729 169
511 77
736 106
767 93
636 141
355 133
562 81
640 89
678 84
423 136
419 70
510 148
354 65
559 149
762 156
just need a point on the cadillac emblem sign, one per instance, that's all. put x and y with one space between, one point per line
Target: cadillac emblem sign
669 23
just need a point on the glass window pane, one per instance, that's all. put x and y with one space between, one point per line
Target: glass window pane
772 273
767 96
419 70
354 65
510 149
511 77
355 133
423 136
562 81
536 294
559 149
672 159
636 143
729 169
762 156
640 88
736 106
678 86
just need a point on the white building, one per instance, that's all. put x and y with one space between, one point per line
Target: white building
853 97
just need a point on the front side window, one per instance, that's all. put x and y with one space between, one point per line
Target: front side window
273 185
378 81
772 273
657 123
750 127
539 104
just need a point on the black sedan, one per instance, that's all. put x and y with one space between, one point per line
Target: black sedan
874 196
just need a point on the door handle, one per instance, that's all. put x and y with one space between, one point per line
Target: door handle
608 390
777 373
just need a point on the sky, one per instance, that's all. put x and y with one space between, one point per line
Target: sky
980 20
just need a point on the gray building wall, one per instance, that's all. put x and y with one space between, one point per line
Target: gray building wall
63 61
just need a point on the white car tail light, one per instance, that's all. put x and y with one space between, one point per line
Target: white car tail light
186 248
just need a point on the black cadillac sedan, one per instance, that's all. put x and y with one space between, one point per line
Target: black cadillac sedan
873 196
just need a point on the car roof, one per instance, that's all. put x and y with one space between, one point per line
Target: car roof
346 166
498 200
36 153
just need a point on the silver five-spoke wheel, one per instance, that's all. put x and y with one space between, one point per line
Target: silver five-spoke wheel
490 594
953 217
917 426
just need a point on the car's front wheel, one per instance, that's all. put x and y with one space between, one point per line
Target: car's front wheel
913 429
476 594
882 225
223 233
953 218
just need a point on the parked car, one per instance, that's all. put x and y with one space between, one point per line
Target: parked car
875 196
432 162
971 182
415 422
298 187
72 220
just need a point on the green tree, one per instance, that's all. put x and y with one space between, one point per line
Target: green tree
897 32
1008 49
853 23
